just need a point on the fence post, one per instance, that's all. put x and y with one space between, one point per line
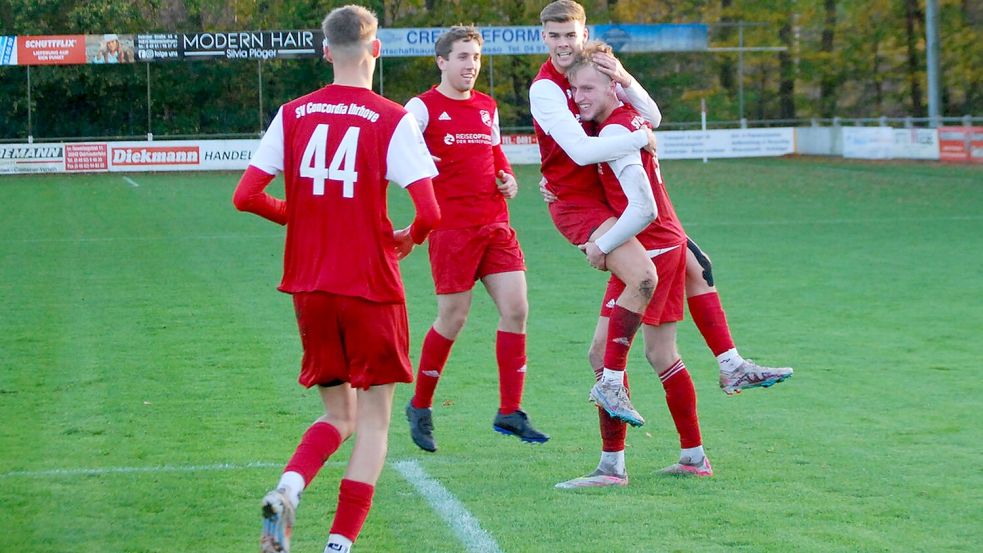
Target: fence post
150 133
967 120
882 121
30 130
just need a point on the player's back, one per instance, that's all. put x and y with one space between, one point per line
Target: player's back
666 230
339 237
566 179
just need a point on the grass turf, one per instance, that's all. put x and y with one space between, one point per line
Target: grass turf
141 332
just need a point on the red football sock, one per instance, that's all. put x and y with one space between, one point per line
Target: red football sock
681 399
622 326
711 320
433 357
510 349
354 502
613 431
317 444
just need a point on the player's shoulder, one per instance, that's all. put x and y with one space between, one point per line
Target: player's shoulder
481 97
627 117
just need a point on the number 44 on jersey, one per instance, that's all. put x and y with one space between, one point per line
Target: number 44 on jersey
342 167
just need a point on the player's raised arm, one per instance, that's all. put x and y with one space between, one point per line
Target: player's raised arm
266 164
629 90
548 105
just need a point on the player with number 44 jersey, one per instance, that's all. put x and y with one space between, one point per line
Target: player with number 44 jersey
338 148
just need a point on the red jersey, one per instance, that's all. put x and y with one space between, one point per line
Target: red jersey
338 147
462 134
666 231
566 179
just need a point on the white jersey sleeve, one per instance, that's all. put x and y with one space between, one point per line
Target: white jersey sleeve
641 209
419 110
633 158
548 105
269 156
408 159
639 99
496 130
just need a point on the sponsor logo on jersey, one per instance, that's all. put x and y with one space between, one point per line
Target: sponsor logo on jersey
637 121
444 117
168 155
467 138
486 117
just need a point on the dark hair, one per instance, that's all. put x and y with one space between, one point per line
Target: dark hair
458 32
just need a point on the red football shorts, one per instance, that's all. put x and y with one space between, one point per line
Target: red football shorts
670 294
578 219
459 257
349 339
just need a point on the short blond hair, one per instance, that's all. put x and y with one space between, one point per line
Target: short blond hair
349 27
466 33
563 11
585 58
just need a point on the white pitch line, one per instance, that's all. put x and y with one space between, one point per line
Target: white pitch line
135 470
461 521
132 182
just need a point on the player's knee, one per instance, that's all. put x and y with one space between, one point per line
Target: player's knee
646 287
704 272
513 316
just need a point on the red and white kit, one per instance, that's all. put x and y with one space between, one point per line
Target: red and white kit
664 239
338 147
474 238
568 151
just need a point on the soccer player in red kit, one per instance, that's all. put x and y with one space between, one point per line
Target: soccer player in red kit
580 213
474 240
634 183
338 147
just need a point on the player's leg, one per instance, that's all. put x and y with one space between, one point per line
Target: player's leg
323 364
711 320
610 469
454 258
374 407
508 291
377 345
632 266
662 354
452 313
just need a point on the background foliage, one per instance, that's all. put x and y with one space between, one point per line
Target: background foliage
846 58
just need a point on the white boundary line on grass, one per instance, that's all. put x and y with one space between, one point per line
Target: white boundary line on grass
461 521
137 470
132 182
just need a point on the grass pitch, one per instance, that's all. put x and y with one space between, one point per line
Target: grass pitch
148 366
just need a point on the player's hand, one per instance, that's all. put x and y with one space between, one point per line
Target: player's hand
595 256
611 66
548 196
651 146
403 242
507 185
